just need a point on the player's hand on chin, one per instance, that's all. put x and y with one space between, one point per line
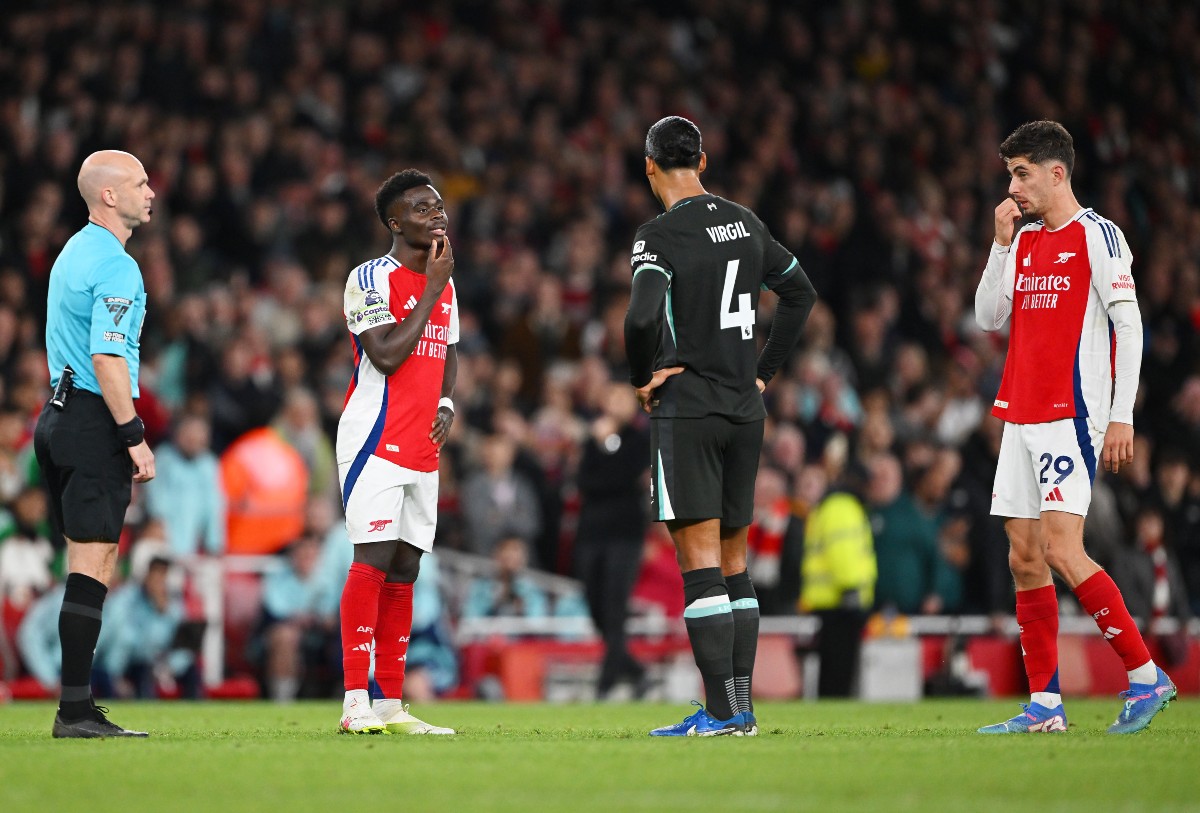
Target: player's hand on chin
440 265
645 395
1118 446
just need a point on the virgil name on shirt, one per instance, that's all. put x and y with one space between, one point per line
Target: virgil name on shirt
712 259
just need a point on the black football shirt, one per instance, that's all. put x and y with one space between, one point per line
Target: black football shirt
716 257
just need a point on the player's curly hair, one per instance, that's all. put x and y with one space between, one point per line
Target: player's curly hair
1041 141
674 143
394 187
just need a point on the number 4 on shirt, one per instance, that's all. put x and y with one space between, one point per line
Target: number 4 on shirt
743 317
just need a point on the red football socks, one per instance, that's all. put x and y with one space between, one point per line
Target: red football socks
391 637
359 610
1037 616
1101 599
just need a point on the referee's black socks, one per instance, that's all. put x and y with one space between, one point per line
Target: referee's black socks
744 603
79 629
709 622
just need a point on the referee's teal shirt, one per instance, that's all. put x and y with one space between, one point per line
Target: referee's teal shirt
97 304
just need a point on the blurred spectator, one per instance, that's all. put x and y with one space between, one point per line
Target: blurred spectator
187 493
299 624
962 408
498 501
807 492
838 584
1178 503
151 650
38 642
508 592
905 543
299 424
431 668
987 585
25 551
541 336
764 540
612 525
658 590
241 397
266 486
1148 573
931 493
14 464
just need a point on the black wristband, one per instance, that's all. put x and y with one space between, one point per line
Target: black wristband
132 433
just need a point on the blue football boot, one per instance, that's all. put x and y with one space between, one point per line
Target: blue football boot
702 724
750 723
1142 702
1034 719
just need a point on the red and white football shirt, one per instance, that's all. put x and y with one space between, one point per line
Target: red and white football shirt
390 417
1060 348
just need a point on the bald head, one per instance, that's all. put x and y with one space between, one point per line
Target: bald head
106 169
117 191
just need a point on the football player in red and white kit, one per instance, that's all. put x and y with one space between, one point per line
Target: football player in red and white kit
1066 399
403 318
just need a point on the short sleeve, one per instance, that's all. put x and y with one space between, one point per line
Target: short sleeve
115 305
367 303
452 332
1112 263
649 253
779 264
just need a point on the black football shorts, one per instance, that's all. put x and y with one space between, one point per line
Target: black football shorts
704 468
87 469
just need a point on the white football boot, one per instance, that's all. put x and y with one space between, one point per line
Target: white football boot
394 714
358 717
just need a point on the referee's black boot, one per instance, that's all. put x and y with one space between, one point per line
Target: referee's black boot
94 726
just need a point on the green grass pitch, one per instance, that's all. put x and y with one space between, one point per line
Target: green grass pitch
826 756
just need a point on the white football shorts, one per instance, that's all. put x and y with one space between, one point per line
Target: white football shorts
387 501
1046 467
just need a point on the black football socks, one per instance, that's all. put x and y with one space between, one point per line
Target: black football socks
79 629
744 603
709 622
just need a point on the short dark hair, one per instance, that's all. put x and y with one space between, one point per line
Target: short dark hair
1041 141
395 186
674 143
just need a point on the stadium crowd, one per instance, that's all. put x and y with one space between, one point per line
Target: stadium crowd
865 134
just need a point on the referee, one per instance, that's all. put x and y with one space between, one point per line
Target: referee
689 334
89 440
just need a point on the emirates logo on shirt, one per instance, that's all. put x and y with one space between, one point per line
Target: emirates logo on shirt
1030 283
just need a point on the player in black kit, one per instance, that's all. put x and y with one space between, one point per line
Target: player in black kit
689 334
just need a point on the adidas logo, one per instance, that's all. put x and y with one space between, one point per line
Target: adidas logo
361 648
1112 632
411 303
1054 496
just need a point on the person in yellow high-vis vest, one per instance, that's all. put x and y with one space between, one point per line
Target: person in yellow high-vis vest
838 586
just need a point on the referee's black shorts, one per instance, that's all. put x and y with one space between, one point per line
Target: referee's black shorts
88 470
704 468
